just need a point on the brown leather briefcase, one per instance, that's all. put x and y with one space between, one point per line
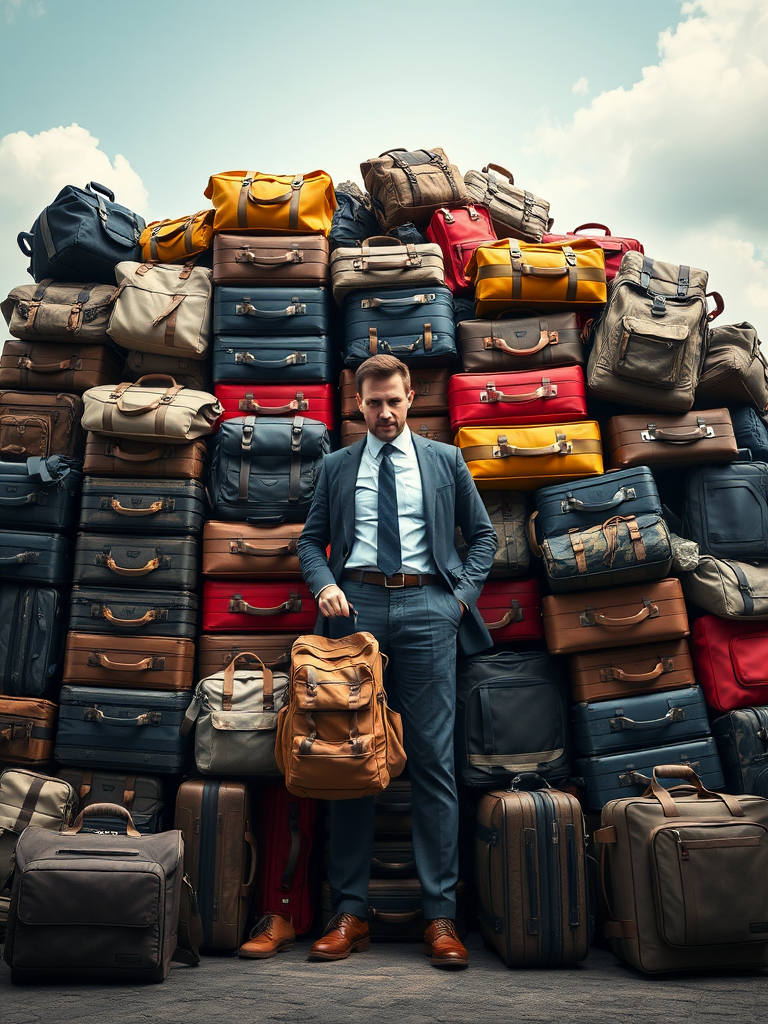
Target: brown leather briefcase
251 552
640 614
271 260
657 440
113 456
431 398
628 671
52 366
216 651
522 343
138 663
27 730
32 423
434 428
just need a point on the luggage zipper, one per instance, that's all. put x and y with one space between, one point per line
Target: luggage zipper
209 830
17 659
551 897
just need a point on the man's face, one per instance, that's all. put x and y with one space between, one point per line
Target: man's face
385 403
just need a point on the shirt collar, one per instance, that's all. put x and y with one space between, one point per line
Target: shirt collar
403 442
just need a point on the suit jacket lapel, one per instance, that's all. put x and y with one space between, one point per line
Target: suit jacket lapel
425 456
347 481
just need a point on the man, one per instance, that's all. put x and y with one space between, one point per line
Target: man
388 506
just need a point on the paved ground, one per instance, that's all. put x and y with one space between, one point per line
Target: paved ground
395 984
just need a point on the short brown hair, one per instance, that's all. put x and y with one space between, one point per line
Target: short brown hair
379 367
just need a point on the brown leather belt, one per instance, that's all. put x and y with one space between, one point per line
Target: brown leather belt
396 582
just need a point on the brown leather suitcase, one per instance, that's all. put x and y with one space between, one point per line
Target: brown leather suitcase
33 423
192 373
219 856
111 456
139 663
250 552
658 440
522 343
27 730
216 650
434 428
271 260
430 399
628 671
38 365
640 614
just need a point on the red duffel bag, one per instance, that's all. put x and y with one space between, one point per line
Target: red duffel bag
258 607
517 398
312 401
730 661
511 609
458 231
613 246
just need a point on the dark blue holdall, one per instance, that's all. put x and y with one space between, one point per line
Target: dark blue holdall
414 324
272 360
81 236
629 723
270 312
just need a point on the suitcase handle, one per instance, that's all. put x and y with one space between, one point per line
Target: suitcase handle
531 271
148 664
115 451
684 771
298 404
545 338
243 547
156 506
393 917
270 262
654 433
238 606
73 363
33 498
502 170
97 715
389 263
622 722
403 869
149 616
492 395
245 308
17 730
423 299
151 565
505 451
589 617
620 676
586 227
571 504
294 359
33 557
104 811
515 614
719 305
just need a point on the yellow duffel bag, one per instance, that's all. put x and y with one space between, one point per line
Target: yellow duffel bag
272 204
550 277
523 458
174 241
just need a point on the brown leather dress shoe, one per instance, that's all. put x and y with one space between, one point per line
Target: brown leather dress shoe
272 934
343 935
443 945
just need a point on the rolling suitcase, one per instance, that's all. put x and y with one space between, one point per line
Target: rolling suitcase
214 817
315 401
142 506
628 671
663 440
40 494
136 562
142 795
276 359
232 607
35 558
511 610
136 613
32 627
531 875
262 311
520 398
152 663
263 261
242 551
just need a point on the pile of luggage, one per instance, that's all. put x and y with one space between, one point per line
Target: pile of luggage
166 403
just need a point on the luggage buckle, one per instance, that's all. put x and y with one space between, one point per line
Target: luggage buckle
296 309
394 586
659 307
247 435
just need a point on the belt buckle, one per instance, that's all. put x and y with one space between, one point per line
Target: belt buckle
394 586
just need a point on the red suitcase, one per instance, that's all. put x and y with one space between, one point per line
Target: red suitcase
285 839
518 398
613 247
458 231
730 661
313 401
511 609
258 607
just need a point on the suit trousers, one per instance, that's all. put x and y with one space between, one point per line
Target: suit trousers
416 628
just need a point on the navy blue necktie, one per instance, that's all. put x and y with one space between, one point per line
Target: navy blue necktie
388 555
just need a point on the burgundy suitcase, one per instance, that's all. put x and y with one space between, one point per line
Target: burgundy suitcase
556 395
613 246
313 401
258 607
511 609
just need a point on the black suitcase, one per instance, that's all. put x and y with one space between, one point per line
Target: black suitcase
742 742
726 510
126 561
32 633
146 506
122 730
142 795
35 558
40 494
116 610
394 909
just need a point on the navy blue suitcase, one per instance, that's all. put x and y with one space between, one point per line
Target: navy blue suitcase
585 503
416 325
40 494
742 741
122 730
270 311
626 723
751 431
285 360
35 558
613 776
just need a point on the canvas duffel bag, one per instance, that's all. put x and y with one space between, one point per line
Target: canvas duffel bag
613 246
429 384
163 309
154 408
81 236
728 588
32 629
259 260
143 506
735 371
272 204
385 262
649 344
33 365
40 494
265 470
628 671
141 663
242 551
524 458
58 311
409 185
731 661
663 440
176 240
234 713
29 798
131 612
273 360
561 276
515 212
34 424
521 343
458 231
192 373
142 795
521 398
119 456
726 510
134 561
27 728
417 327
508 512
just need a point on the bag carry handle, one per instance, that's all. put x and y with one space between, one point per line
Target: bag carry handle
147 718
545 338
620 676
116 452
151 565
240 546
589 617
25 241
296 185
32 557
104 811
148 664
683 771
238 606
94 186
166 398
621 722
587 227
298 404
376 240
413 300
73 363
699 433
294 359
515 614
405 868
571 504
246 308
18 730
156 506
562 446
546 390
270 262
33 498
392 916
501 170
229 681
719 305
149 616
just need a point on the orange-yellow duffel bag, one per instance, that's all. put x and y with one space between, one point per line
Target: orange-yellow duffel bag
172 241
274 204
552 277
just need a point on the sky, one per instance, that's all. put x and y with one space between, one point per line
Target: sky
650 118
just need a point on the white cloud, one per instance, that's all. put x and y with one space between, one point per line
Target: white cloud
34 168
678 160
35 8
580 87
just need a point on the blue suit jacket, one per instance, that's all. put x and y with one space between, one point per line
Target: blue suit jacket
450 499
